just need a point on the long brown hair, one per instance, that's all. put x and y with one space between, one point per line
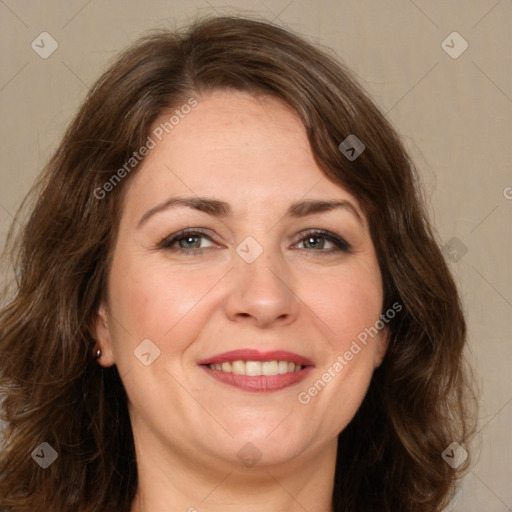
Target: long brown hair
389 456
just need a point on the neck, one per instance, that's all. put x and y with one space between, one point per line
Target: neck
194 483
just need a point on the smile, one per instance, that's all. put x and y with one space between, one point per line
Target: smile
263 372
255 368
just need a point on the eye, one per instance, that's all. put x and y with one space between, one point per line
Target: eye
185 242
188 241
316 240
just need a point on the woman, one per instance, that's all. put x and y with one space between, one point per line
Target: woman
229 296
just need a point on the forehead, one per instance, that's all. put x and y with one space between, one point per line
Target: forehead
237 147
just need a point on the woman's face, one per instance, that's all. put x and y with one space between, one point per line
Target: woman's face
252 281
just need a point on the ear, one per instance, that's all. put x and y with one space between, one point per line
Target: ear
103 338
382 343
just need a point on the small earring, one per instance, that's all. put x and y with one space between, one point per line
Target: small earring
97 354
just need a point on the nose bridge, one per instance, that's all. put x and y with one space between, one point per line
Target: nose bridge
261 263
261 282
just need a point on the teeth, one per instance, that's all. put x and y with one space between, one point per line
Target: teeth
256 368
270 367
238 367
253 368
283 367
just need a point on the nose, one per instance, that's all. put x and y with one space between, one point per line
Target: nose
261 292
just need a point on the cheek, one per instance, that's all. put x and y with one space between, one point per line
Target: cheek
155 301
347 303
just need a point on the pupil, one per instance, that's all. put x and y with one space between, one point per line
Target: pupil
313 238
189 240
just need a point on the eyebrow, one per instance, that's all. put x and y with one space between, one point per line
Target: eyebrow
222 209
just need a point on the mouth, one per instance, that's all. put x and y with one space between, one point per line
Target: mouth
251 370
256 368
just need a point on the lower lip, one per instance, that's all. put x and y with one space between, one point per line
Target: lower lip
259 383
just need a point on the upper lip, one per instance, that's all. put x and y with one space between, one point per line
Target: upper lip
255 355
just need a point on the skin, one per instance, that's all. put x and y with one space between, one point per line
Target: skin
188 428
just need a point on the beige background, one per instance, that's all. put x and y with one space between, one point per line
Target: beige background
454 114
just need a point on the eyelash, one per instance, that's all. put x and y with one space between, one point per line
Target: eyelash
169 241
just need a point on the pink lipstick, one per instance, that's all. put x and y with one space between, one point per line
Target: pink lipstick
251 370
